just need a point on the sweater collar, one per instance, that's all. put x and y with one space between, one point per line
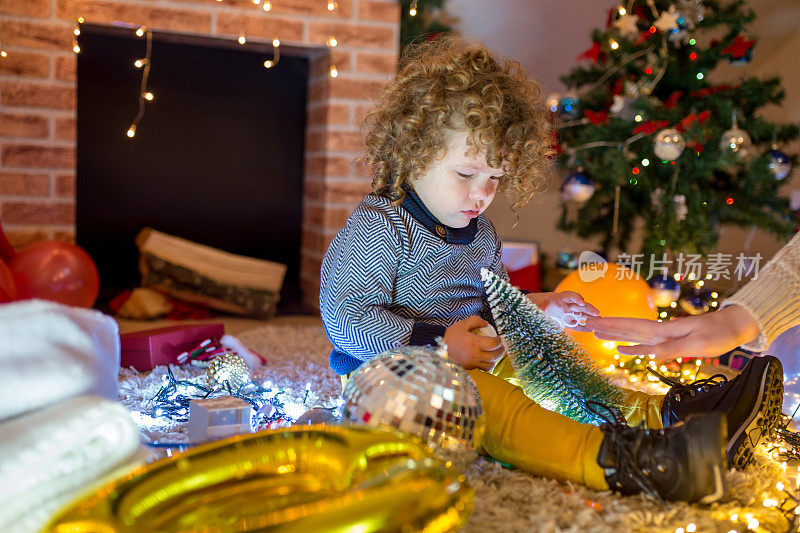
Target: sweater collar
413 204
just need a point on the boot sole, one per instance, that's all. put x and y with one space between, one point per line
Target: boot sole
707 455
763 418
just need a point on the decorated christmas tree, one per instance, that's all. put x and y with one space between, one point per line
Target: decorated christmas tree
554 371
418 20
646 135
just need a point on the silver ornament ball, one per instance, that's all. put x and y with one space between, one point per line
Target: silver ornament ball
418 391
736 140
669 144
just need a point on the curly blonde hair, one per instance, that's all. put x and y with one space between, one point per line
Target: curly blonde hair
449 84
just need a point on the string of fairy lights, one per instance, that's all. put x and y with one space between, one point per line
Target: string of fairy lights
144 63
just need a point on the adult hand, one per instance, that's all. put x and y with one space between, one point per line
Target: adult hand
469 349
706 335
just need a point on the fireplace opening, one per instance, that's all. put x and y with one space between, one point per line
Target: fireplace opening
217 157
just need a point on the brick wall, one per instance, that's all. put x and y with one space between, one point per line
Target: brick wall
38 100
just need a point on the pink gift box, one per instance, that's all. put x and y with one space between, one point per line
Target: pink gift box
145 349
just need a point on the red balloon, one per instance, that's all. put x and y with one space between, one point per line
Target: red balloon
57 271
8 291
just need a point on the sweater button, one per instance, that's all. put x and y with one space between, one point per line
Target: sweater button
440 231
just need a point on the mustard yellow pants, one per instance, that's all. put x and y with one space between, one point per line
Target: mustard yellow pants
520 432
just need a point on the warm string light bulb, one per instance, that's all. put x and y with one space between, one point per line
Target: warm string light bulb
76 31
614 44
331 42
269 63
3 53
75 47
140 31
332 5
144 94
413 9
242 38
334 72
266 6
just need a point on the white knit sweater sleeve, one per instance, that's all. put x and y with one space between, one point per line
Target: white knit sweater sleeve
773 297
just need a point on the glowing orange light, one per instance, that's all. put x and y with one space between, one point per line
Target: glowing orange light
729 201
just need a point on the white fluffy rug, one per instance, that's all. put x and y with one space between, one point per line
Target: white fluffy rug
505 500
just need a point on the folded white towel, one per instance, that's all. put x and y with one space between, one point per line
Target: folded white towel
50 352
50 456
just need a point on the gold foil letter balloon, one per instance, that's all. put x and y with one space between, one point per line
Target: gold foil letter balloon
418 391
320 479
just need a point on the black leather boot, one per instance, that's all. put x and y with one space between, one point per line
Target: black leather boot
685 462
751 403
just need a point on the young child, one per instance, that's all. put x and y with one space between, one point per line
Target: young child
455 127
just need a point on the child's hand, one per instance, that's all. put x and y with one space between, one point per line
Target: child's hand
471 350
567 308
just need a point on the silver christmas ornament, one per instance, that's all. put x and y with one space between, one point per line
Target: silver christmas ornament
779 164
418 391
577 187
736 140
669 144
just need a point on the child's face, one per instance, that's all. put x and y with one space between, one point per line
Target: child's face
458 187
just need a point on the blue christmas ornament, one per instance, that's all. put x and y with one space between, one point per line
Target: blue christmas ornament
695 302
578 187
566 260
779 164
568 107
664 290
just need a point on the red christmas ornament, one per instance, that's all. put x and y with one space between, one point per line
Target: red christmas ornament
738 48
650 127
616 88
643 36
687 122
672 99
712 90
594 53
597 118
695 145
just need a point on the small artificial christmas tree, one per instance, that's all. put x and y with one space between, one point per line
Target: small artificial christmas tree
647 137
554 371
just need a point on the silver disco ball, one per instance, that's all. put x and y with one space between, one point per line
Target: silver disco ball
418 391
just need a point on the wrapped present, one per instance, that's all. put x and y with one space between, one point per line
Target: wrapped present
144 350
521 260
217 418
